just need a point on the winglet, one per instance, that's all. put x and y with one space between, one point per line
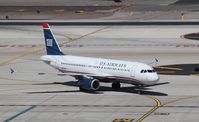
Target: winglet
12 71
154 62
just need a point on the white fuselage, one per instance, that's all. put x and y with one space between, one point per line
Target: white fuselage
108 68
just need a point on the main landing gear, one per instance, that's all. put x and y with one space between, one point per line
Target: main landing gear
116 85
81 89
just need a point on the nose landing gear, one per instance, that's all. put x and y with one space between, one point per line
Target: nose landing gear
140 89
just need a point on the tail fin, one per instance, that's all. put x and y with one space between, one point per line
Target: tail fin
52 47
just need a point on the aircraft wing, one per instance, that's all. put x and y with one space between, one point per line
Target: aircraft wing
101 77
13 71
78 75
105 77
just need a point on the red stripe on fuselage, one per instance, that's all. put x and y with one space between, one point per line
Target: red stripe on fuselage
66 71
119 77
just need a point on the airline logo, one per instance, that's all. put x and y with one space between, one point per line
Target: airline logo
49 42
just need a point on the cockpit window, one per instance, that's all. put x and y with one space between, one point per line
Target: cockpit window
149 71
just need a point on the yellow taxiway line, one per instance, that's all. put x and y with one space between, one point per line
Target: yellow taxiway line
91 33
158 104
39 50
168 72
170 68
25 81
19 56
179 99
194 74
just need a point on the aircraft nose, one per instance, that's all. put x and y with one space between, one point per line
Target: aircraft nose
155 78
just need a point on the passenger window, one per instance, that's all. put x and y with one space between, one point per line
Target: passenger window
142 71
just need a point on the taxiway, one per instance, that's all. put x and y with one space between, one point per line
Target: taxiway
29 95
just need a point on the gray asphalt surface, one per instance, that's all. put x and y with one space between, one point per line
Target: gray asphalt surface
100 9
28 96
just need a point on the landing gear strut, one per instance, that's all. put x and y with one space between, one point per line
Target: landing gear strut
116 85
140 90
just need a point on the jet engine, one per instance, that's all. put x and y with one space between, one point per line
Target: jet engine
89 84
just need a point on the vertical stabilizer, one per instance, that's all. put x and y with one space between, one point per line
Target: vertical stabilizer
52 46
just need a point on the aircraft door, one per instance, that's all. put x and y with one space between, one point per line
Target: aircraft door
133 71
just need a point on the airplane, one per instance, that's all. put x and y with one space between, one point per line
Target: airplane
91 71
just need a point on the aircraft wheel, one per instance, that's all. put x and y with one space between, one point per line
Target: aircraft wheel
116 85
140 90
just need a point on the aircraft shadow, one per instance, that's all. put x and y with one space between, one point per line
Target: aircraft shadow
102 89
178 69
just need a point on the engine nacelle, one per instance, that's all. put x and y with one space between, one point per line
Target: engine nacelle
89 84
